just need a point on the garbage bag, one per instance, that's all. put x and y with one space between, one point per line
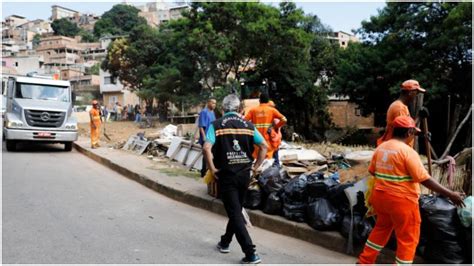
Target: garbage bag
273 204
321 215
468 245
361 227
444 231
270 180
318 186
338 198
253 197
295 190
465 214
294 210
360 207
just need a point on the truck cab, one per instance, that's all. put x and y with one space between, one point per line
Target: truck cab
38 110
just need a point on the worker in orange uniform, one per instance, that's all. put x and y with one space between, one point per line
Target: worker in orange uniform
409 90
94 114
262 117
275 137
398 171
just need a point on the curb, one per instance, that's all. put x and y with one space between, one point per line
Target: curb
331 240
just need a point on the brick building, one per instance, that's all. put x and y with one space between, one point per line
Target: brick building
346 114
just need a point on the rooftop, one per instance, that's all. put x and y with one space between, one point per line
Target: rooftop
65 8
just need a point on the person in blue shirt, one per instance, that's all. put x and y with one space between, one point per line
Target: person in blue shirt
206 117
228 150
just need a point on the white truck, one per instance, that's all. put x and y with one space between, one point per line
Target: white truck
38 110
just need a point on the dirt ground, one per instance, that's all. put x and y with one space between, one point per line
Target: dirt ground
119 131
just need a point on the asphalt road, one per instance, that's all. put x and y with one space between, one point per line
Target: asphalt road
61 207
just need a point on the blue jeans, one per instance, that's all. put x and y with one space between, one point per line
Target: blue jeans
138 118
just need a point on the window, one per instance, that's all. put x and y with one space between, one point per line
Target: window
109 80
42 92
357 112
343 43
16 64
4 63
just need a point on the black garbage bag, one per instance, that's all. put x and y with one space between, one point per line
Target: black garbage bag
294 210
361 227
253 197
273 204
360 207
468 245
270 180
338 198
321 215
318 186
444 239
295 190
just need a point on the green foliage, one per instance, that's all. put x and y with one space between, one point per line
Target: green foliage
94 70
64 27
430 42
36 40
215 44
120 20
87 36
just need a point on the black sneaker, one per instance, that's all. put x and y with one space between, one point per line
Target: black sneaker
222 248
252 259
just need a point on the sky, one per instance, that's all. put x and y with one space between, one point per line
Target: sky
343 16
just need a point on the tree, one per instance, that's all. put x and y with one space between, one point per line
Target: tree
87 36
214 45
36 40
299 62
94 70
120 20
64 27
430 42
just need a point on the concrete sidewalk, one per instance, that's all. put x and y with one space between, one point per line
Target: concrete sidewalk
193 191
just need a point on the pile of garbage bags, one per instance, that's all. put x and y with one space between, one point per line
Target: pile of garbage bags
321 202
318 200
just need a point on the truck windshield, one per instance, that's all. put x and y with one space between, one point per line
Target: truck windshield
42 92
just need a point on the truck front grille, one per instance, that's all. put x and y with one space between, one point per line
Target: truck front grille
38 118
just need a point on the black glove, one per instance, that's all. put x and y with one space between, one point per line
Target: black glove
424 113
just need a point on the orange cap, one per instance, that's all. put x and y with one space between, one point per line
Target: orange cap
94 102
411 85
405 122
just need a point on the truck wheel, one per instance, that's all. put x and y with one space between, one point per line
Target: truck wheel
68 146
11 145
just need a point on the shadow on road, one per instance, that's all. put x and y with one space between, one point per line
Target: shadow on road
36 147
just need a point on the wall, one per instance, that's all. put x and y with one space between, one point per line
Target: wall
124 97
117 87
345 114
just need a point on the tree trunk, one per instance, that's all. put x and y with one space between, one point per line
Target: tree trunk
451 141
454 122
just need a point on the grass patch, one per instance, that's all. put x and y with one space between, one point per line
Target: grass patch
180 172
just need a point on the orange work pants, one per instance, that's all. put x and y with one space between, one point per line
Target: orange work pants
393 213
95 134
